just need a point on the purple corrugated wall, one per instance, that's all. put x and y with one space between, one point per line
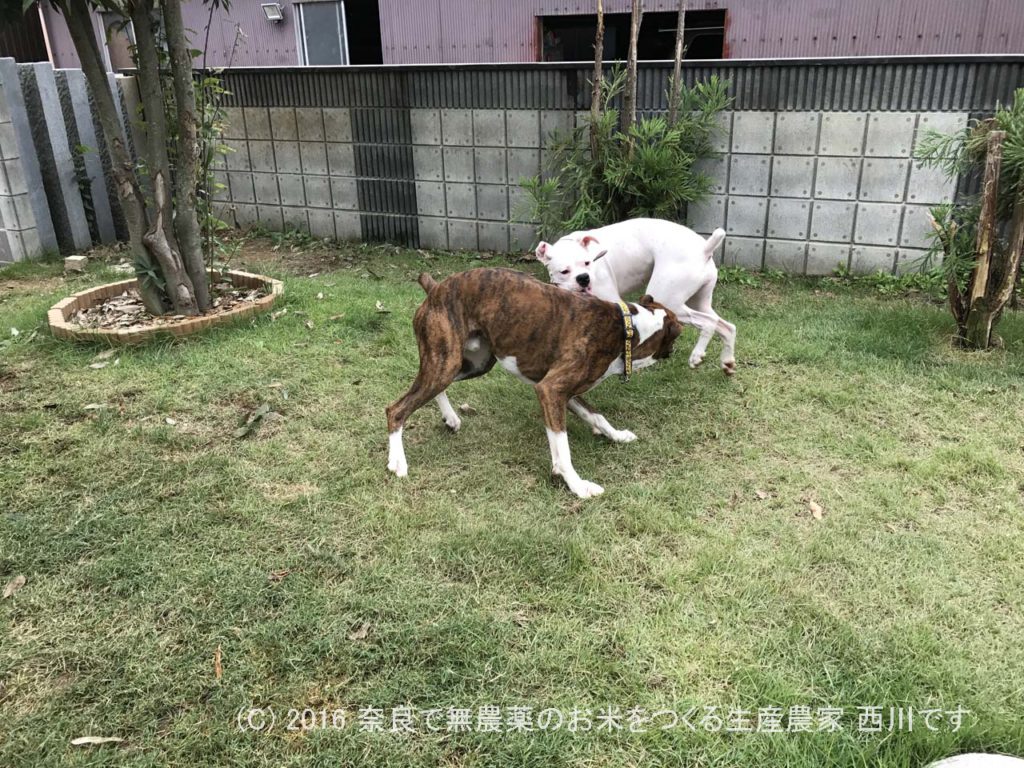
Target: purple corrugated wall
470 31
259 43
466 31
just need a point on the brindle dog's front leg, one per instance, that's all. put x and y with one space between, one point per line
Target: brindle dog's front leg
553 401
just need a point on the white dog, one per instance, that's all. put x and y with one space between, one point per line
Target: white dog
674 262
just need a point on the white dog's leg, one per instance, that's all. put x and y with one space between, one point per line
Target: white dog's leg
599 423
701 302
561 464
451 418
396 454
703 323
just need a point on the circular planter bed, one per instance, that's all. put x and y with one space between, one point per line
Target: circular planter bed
62 315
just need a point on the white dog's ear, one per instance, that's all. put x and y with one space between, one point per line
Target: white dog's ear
601 255
542 252
588 240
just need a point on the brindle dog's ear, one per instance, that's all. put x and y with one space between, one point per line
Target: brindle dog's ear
646 300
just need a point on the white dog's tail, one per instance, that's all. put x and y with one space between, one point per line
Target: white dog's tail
713 242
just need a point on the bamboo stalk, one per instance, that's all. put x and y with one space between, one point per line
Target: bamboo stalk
629 98
677 70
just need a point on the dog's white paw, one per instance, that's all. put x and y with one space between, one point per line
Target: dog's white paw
453 422
398 465
622 436
586 489
729 367
696 359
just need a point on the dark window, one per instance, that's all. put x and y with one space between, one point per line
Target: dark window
362 17
571 38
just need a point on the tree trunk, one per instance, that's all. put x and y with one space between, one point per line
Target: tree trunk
1005 292
983 312
79 21
595 96
179 285
629 98
186 224
164 248
677 70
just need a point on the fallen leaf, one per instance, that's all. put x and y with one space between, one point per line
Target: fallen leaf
170 422
218 668
278 576
762 495
891 528
320 296
97 366
309 325
16 332
83 741
332 318
95 406
14 585
360 633
816 511
105 354
279 313
467 408
380 308
252 421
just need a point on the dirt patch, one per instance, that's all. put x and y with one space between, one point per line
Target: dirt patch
31 285
263 255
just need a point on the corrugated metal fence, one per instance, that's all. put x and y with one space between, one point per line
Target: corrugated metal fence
963 83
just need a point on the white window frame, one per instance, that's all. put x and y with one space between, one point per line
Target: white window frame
129 29
300 29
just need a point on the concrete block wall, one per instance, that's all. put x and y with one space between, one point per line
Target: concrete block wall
432 178
807 192
815 168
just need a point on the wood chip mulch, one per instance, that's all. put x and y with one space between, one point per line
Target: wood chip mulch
127 311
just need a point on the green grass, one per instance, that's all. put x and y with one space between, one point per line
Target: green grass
146 546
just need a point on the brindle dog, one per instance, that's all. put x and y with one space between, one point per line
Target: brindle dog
561 343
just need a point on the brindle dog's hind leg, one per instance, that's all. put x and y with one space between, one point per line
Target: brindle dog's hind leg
476 361
440 361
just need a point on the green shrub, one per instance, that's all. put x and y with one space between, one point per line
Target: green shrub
645 171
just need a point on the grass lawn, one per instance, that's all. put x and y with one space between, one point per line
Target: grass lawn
699 579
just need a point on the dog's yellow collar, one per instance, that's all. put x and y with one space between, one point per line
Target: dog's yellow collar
627 321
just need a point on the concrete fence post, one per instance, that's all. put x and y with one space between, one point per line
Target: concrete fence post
50 135
26 229
88 148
